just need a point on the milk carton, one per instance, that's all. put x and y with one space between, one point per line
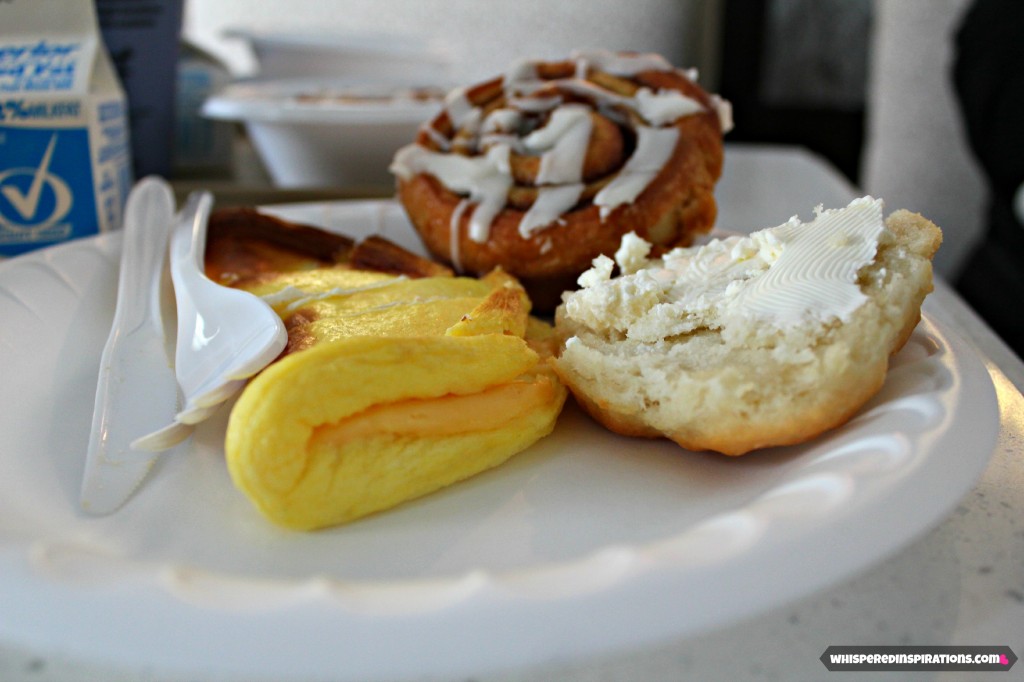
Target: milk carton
65 163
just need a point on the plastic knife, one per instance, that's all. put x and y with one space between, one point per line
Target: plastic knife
137 391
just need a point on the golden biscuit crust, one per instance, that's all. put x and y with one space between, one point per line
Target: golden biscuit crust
704 394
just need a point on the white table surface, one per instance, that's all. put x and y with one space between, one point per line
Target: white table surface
960 584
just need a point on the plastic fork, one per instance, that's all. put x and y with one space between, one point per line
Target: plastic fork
225 335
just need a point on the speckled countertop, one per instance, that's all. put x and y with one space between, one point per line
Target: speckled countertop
961 583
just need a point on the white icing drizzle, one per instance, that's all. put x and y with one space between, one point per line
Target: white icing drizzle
654 146
660 108
499 127
535 105
458 107
723 108
502 120
454 253
489 192
511 141
436 137
471 123
619 64
550 204
656 108
486 179
561 142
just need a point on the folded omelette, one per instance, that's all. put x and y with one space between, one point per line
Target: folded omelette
398 379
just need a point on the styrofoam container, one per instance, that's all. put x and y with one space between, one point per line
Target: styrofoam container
356 57
311 133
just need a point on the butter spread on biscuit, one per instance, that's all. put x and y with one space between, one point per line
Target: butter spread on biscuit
780 277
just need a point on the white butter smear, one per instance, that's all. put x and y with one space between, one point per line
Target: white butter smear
793 274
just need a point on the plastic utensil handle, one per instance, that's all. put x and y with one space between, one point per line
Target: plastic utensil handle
138 285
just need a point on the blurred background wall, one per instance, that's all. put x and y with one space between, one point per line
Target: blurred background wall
481 37
916 154
863 83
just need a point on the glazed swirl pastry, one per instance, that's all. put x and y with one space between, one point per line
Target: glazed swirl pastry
543 169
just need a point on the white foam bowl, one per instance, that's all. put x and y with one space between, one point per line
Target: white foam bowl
311 133
364 57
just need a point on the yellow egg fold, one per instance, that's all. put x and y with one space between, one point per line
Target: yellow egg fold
395 391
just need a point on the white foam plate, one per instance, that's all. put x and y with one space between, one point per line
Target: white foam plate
586 543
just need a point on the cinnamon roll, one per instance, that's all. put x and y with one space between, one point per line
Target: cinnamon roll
548 166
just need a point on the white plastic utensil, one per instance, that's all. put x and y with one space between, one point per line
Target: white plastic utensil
225 335
136 390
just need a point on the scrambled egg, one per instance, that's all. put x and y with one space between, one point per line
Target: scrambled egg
391 388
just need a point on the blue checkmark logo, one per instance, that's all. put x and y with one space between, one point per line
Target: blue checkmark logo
47 186
23 190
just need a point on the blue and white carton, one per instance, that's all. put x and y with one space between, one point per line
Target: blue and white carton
65 160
